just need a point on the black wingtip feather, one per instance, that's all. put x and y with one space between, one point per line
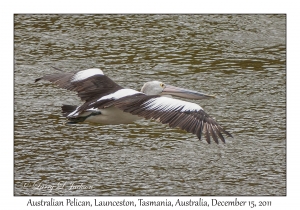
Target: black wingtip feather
38 79
227 133
67 109
56 68
207 133
213 134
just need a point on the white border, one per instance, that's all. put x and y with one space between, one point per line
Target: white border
8 8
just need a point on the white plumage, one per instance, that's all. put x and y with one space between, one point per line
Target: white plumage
81 75
119 94
170 104
108 103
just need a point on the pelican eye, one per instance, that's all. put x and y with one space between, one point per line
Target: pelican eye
162 85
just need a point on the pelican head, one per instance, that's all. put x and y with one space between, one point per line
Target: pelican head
160 88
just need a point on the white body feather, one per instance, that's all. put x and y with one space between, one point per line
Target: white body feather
86 74
170 104
110 115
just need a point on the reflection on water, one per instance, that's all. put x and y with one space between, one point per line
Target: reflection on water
239 58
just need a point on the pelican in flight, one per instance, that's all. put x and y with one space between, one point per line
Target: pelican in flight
106 102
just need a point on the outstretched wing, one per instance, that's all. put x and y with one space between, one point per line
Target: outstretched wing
99 91
89 84
176 113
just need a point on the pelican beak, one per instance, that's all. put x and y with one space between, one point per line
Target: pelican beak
184 93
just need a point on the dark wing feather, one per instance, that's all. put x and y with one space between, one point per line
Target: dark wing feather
88 89
97 86
196 122
135 100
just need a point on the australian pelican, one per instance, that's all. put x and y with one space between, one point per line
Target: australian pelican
107 102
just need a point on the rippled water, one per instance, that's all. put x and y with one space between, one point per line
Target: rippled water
239 58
